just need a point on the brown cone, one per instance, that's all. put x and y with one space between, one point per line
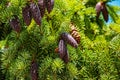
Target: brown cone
49 5
35 13
104 12
42 6
62 49
69 39
98 8
27 17
34 70
74 33
15 24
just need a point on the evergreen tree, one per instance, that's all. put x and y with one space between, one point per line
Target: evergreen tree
29 53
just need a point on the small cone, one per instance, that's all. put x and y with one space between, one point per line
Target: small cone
105 12
74 33
27 17
35 13
49 5
69 39
98 8
15 24
34 70
62 49
42 6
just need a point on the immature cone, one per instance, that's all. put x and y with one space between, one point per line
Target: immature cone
34 70
66 58
35 13
62 48
41 4
56 50
15 24
69 39
98 8
26 15
101 7
104 12
49 5
62 51
75 33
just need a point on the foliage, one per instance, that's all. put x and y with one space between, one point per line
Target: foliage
96 58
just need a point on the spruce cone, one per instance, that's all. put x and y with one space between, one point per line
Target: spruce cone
104 12
41 4
27 14
62 48
35 13
66 58
34 70
101 7
98 8
69 39
15 24
56 50
75 33
62 51
49 5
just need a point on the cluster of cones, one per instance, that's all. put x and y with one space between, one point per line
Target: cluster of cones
65 38
36 10
32 10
